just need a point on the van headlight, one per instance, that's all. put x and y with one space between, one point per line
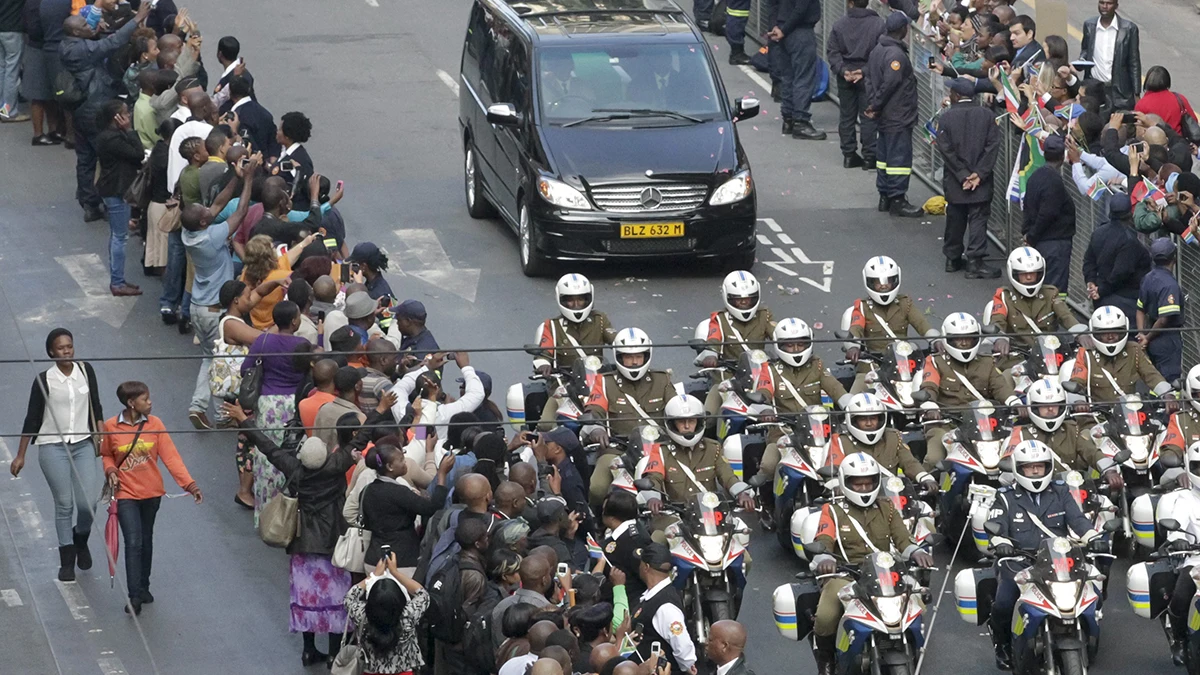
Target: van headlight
732 190
559 193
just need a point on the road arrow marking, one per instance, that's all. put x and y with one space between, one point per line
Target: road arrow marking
797 256
91 275
424 258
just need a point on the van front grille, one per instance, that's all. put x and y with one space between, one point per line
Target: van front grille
649 198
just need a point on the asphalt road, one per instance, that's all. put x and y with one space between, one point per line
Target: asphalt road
377 82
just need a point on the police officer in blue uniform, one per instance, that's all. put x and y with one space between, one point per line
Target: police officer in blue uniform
892 102
1160 305
737 13
1036 508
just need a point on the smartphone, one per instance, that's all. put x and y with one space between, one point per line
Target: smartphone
355 268
385 549
321 315
385 301
345 273
287 165
1129 118
339 185
563 569
932 61
419 432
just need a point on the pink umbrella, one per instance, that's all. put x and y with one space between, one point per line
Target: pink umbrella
112 539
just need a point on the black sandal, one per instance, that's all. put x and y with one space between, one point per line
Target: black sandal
242 504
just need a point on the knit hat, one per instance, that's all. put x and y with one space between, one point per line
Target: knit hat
313 453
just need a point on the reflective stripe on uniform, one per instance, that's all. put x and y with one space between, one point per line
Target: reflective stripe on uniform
893 170
737 12
1168 309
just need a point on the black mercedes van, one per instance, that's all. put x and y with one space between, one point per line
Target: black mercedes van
600 130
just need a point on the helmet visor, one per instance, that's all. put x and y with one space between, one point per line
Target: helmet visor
868 421
634 359
883 285
1109 337
743 302
576 302
963 342
1030 278
1034 470
797 346
863 485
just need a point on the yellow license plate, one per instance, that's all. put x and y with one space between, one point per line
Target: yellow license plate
651 230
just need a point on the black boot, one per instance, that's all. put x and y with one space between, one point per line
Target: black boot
310 655
737 55
823 653
1002 642
804 130
885 202
1177 632
66 563
976 269
869 163
83 556
900 208
335 645
775 95
954 264
788 125
851 161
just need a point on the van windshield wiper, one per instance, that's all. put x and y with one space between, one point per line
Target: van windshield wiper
626 113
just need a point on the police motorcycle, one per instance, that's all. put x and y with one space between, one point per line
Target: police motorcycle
1151 584
569 386
1056 627
637 451
742 426
803 473
895 375
709 545
1045 358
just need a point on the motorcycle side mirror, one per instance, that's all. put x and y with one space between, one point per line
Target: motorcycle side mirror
1170 525
1177 384
942 466
532 350
1071 387
697 345
841 334
920 396
1112 525
992 527
757 481
607 368
827 472
1122 456
815 548
990 329
644 485
755 397
1169 461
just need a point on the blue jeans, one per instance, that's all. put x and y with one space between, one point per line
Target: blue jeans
118 225
136 517
11 46
799 78
70 470
174 277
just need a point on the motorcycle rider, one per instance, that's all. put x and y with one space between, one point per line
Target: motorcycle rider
799 379
884 315
625 400
1112 366
745 325
1183 509
574 335
851 529
1183 429
866 431
1028 307
956 377
1071 448
1036 508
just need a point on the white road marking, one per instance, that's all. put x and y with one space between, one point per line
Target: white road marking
5 455
753 74
11 597
31 519
796 256
373 3
770 222
764 240
112 665
76 601
784 239
91 275
448 80
427 260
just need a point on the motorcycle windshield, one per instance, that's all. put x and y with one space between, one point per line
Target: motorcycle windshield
904 355
754 372
893 490
881 575
1133 415
984 421
1048 353
819 426
708 514
1075 485
1058 560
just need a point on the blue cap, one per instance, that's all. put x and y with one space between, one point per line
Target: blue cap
896 21
1162 249
961 86
564 437
1055 143
1119 204
411 309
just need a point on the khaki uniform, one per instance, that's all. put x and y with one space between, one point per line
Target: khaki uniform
1070 443
554 332
1127 367
1012 312
610 400
943 381
1183 429
865 325
891 453
705 462
808 381
884 526
754 334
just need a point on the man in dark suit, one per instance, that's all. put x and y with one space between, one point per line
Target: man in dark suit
1023 32
293 163
968 140
1049 224
1113 44
253 119
726 644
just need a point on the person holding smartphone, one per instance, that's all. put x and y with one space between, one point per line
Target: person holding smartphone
659 612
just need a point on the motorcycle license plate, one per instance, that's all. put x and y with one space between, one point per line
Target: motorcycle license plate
651 230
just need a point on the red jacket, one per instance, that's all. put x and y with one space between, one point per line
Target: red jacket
1165 105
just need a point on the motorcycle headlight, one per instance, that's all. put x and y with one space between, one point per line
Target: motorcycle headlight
1065 595
989 453
712 548
891 610
1139 447
560 194
732 190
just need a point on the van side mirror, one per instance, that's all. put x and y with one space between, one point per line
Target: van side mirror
745 108
503 115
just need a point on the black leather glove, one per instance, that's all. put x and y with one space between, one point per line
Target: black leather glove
1178 545
1004 550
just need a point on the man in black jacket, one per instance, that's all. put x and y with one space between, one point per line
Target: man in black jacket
793 34
892 102
849 45
255 122
968 140
1116 260
1049 224
1114 45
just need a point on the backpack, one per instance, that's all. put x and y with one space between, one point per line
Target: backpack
438 543
446 616
478 651
67 92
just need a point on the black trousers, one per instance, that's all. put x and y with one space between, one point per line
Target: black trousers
852 101
1057 253
969 220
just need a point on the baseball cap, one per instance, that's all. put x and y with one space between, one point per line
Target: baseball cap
1055 143
564 437
363 252
1162 249
1119 204
410 309
895 21
961 86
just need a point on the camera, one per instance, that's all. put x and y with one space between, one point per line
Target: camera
231 398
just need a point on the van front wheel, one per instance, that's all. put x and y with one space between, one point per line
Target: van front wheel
477 203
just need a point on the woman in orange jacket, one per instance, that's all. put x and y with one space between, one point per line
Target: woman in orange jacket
133 443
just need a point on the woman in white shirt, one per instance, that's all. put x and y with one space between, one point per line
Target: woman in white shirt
64 406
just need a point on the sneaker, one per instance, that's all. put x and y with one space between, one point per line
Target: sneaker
199 420
19 117
185 327
45 139
169 317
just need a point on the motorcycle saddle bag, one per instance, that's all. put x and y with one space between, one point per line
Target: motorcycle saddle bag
795 607
974 590
1148 586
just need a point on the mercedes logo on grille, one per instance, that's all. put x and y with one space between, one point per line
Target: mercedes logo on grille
650 198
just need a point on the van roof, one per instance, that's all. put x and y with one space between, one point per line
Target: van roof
551 19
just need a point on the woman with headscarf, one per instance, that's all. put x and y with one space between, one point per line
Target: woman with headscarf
318 478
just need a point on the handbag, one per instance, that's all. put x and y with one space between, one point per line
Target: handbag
138 192
169 221
349 659
251 386
351 549
279 520
1187 122
225 376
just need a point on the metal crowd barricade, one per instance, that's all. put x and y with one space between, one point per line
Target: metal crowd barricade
1004 226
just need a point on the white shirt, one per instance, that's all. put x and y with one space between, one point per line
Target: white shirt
470 400
1182 505
182 113
668 617
286 153
721 670
65 419
176 163
518 664
240 102
1103 49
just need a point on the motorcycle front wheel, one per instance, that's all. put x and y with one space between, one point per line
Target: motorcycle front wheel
783 525
1072 663
1191 655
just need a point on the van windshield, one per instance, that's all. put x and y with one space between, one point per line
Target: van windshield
598 84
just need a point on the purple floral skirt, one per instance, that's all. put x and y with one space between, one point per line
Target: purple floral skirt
318 590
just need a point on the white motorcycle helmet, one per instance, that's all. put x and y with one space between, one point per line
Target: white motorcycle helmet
794 332
961 326
859 465
574 286
685 407
741 285
633 341
1047 392
859 407
881 276
1110 330
1191 386
1026 260
1192 458
1028 453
